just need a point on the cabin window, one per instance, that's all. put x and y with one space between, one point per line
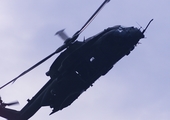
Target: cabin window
92 59
77 72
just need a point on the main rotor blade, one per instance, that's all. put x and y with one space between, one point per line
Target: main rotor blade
92 17
62 34
65 45
76 35
34 66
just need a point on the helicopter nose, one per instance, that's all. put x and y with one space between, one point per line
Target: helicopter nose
137 33
133 35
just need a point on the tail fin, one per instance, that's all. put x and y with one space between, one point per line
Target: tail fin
9 114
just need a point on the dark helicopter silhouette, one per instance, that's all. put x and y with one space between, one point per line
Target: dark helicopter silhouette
77 67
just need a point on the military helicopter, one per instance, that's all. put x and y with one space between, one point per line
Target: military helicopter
77 67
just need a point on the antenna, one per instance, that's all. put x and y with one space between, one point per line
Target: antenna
147 25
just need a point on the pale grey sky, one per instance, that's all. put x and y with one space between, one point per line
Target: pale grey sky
137 88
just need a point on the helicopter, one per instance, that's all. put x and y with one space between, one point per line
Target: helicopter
78 66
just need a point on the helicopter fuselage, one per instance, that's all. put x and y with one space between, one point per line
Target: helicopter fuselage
79 66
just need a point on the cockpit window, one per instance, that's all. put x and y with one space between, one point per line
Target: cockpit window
120 29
